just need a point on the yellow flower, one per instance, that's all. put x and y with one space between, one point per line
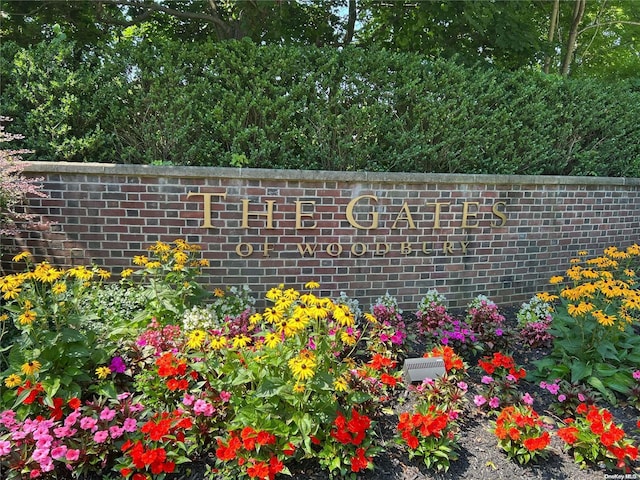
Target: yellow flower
196 339
103 274
31 367
160 247
21 256
312 285
556 279
126 273
218 292
291 294
81 273
629 273
633 249
103 372
344 317
274 294
13 380
59 288
140 260
27 317
4 317
218 342
255 318
203 262
582 253
572 294
11 294
302 368
544 296
241 341
340 385
371 318
154 264
348 339
46 273
272 315
298 387
580 309
181 257
271 339
604 319
590 274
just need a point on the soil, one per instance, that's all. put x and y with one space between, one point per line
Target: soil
480 458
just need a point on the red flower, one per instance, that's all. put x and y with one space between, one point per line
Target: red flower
568 434
581 409
258 470
388 379
228 451
359 462
56 410
74 403
537 443
289 450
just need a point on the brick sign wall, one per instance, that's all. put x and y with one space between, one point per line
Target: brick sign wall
361 233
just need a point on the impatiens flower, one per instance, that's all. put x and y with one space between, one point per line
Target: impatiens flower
494 402
100 436
479 400
527 399
117 365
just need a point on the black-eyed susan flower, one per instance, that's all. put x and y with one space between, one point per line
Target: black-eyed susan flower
271 339
196 339
21 256
59 288
299 387
13 380
218 342
31 368
126 273
340 385
241 341
140 260
312 285
27 317
556 279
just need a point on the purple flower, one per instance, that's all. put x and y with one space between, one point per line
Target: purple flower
117 365
553 388
499 332
562 397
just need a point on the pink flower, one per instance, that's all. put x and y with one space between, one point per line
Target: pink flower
116 431
636 374
100 436
463 386
5 447
35 473
203 407
562 397
73 455
527 399
130 425
107 414
479 400
486 379
58 452
72 418
188 399
89 423
553 388
494 402
581 397
225 396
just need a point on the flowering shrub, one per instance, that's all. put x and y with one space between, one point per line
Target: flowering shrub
568 396
348 447
458 335
430 433
432 312
521 433
593 437
388 331
499 382
44 303
487 324
14 187
592 324
534 320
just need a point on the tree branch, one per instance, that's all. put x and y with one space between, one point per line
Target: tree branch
612 22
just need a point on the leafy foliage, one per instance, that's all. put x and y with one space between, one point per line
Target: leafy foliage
237 103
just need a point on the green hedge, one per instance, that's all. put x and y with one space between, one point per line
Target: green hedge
236 103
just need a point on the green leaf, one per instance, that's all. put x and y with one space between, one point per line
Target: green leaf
579 371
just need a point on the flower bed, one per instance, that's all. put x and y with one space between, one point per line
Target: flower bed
140 378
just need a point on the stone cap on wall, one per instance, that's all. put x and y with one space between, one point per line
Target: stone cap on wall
318 175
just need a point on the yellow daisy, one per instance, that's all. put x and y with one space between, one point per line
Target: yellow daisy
27 317
196 339
218 292
21 256
312 285
13 380
140 260
59 288
218 342
126 273
298 387
340 385
30 368
302 369
103 372
271 339
241 341
556 279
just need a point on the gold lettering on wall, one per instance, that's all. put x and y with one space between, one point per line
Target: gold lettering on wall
407 216
300 215
466 214
352 220
268 214
499 214
206 223
436 215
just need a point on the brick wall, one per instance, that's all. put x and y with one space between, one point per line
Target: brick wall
361 233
